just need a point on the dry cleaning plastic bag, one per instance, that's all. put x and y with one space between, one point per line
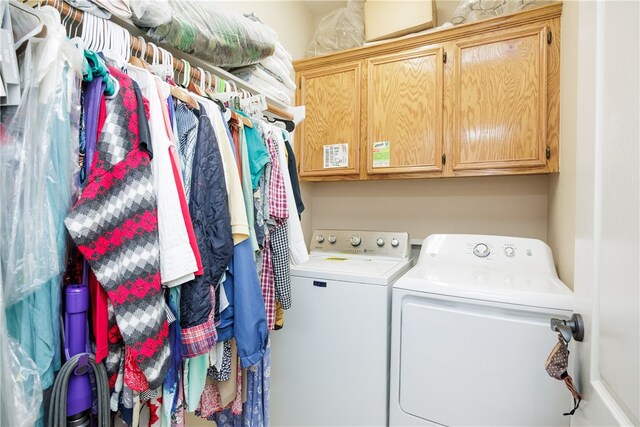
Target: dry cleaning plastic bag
339 30
224 38
20 389
150 13
476 10
38 162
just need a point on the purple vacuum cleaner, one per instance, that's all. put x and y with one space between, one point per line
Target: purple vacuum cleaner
76 332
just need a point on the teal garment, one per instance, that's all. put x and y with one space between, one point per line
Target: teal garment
258 154
198 367
35 320
247 190
169 394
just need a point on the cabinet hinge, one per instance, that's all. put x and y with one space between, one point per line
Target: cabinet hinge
444 159
444 57
548 152
549 37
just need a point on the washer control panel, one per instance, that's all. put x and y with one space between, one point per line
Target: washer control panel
373 243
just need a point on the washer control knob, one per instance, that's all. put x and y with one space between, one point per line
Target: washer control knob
509 251
319 238
395 242
332 239
355 240
481 250
380 241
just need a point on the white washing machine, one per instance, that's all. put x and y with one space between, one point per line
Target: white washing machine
330 362
471 334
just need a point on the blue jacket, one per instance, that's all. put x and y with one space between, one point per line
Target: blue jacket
245 317
209 209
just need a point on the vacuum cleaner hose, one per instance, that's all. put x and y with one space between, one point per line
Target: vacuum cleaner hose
58 405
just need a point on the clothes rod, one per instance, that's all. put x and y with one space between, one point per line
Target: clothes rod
76 16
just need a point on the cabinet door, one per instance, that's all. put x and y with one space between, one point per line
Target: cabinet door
499 106
330 134
404 113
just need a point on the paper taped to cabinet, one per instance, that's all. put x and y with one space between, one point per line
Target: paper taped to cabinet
336 156
381 154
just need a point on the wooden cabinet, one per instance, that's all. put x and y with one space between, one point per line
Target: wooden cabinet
331 130
404 113
499 107
476 99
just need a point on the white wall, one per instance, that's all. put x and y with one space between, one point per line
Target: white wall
562 186
486 205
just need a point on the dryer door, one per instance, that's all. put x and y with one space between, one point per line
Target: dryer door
465 363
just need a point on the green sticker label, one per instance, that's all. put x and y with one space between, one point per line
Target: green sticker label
381 151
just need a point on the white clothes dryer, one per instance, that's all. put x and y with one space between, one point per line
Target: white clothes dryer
471 335
330 362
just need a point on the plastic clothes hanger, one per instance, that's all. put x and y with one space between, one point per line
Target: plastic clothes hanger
85 35
138 60
39 30
192 86
203 80
182 94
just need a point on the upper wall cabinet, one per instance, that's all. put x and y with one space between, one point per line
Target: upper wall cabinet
476 99
499 106
331 130
404 113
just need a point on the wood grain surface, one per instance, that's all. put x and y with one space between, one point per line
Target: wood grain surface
332 100
492 108
500 103
405 109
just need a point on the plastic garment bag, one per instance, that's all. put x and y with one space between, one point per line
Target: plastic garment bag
224 38
38 162
20 388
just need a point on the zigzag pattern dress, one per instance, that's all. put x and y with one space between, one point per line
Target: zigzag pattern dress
115 226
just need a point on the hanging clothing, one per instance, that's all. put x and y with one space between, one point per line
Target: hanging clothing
187 126
164 92
293 174
257 153
296 243
255 410
210 214
115 226
177 260
38 160
95 114
238 215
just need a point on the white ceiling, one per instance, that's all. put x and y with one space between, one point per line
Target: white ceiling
321 7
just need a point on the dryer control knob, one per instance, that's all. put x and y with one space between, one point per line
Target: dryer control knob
481 250
355 240
380 241
509 251
332 239
319 238
395 242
